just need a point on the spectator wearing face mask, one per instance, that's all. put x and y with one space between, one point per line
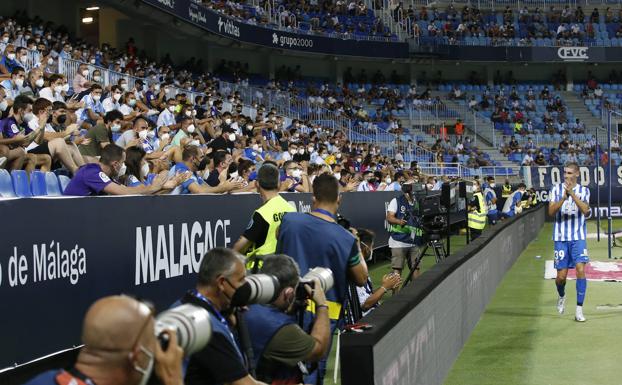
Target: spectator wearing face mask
186 134
167 116
93 110
296 179
13 86
224 142
112 102
99 178
254 151
100 136
137 166
53 92
8 61
81 82
191 159
369 183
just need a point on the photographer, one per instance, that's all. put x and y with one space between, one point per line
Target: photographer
278 342
221 273
405 234
315 239
120 347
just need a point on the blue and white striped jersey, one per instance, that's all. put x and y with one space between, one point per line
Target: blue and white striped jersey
569 221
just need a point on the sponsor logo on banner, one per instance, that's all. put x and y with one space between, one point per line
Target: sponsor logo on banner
48 262
616 211
168 3
573 53
197 16
167 251
291 42
228 27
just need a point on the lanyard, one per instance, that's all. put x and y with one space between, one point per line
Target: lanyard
200 296
325 212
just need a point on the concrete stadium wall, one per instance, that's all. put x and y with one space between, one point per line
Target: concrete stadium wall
418 334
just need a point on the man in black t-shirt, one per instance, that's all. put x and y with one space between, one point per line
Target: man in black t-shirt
221 273
222 160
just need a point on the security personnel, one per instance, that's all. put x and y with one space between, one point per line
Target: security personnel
490 196
477 212
405 235
506 189
259 238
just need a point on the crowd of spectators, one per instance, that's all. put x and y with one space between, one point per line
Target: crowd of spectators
347 18
556 25
50 123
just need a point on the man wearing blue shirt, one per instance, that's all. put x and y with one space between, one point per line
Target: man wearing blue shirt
315 239
93 110
191 158
13 85
569 204
512 204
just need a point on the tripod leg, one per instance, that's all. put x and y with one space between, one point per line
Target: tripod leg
412 267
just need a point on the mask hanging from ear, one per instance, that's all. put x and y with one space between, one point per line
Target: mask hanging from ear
145 372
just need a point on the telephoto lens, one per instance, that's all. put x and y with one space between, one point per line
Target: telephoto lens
323 274
192 324
257 288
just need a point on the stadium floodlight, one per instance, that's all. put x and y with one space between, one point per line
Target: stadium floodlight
87 20
92 9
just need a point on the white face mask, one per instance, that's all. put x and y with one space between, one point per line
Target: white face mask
297 173
19 82
310 149
171 108
66 87
151 134
232 137
301 151
28 117
188 113
122 170
190 128
132 102
387 181
4 105
97 97
337 175
144 170
85 73
143 134
116 97
338 156
23 59
227 121
234 174
115 127
359 160
124 86
58 89
146 372
39 82
255 147
11 56
156 87
97 78
195 143
5 39
50 61
492 185
33 124
292 151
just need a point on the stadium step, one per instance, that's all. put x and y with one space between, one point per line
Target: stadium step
576 105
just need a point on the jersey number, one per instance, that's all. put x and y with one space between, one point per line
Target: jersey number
559 255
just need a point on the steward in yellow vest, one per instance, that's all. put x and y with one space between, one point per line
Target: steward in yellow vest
477 212
506 189
259 238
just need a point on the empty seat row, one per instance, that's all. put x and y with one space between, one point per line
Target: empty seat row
17 184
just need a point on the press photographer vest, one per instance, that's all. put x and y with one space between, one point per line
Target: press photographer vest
477 218
272 212
263 323
411 232
506 191
492 207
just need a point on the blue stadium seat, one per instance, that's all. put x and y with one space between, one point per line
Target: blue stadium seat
63 180
20 183
52 185
37 183
6 185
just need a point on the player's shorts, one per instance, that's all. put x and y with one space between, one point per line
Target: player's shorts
569 253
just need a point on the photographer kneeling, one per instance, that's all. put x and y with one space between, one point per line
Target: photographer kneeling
279 344
120 347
